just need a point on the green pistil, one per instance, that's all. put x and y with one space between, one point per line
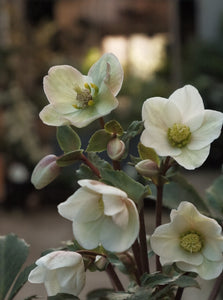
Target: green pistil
84 96
101 204
179 135
191 242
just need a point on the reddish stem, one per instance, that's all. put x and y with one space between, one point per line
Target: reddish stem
90 165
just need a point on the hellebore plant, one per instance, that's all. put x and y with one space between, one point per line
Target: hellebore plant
107 210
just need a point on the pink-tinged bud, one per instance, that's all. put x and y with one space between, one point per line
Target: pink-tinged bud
147 168
45 171
115 148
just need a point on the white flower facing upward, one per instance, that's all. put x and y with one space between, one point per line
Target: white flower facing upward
61 272
180 127
192 240
77 99
101 215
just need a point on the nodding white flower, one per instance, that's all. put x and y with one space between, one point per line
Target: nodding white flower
61 272
192 240
180 127
77 99
101 215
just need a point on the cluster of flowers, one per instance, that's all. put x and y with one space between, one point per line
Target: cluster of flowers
103 215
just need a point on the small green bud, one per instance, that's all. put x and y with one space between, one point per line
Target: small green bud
45 171
147 168
115 148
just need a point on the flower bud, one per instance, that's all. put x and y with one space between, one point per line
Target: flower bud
115 148
101 262
147 168
45 171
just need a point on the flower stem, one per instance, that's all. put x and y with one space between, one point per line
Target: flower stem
116 283
116 165
143 243
102 122
136 251
216 288
179 293
90 165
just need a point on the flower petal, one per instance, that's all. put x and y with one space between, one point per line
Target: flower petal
82 206
109 70
209 130
191 159
188 101
165 242
88 234
51 283
156 138
113 204
116 238
50 116
59 85
101 188
37 275
207 270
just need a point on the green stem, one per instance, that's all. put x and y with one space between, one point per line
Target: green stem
116 283
90 165
216 288
143 243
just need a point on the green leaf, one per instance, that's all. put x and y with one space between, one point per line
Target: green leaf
63 297
69 158
84 172
114 260
114 127
13 253
135 190
133 130
186 281
148 153
107 294
98 142
101 164
155 279
21 280
179 190
214 195
68 139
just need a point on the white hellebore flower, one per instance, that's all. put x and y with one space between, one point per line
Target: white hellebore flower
180 127
61 272
77 99
192 240
101 214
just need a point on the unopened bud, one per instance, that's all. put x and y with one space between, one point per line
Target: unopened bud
147 168
45 171
101 262
115 148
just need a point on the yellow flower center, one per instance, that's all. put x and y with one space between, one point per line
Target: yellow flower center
179 135
191 242
84 97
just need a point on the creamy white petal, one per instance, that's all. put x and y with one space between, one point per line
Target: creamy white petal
158 112
119 239
60 83
50 116
88 234
209 130
207 270
113 204
212 250
157 139
194 122
165 242
51 283
60 259
191 159
82 206
101 188
121 219
37 275
108 69
188 101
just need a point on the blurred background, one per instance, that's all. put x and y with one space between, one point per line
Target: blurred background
161 44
